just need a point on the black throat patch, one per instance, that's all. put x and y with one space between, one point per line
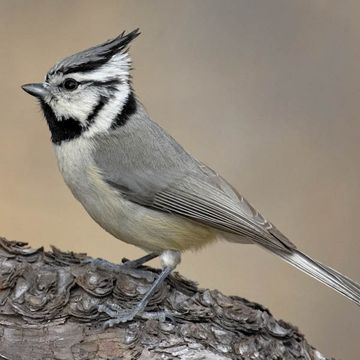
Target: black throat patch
69 129
61 130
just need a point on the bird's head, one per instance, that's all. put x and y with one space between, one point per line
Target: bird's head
89 92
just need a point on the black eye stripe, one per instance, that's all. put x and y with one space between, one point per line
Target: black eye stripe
106 83
110 82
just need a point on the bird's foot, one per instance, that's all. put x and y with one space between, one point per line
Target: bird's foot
131 264
119 315
138 262
102 264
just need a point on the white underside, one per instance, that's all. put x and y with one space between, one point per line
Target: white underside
148 229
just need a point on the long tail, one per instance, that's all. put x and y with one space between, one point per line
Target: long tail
322 273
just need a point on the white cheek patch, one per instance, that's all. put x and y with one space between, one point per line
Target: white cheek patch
108 113
77 107
80 103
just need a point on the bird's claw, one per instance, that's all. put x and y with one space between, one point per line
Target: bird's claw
119 315
102 264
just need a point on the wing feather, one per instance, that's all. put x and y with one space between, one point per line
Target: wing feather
148 167
198 198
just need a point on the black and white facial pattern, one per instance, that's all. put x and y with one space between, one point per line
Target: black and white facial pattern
90 92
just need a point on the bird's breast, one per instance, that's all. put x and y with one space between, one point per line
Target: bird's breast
149 229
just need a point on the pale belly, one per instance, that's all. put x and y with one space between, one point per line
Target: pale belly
151 230
148 229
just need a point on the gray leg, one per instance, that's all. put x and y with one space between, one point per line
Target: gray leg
133 264
169 259
144 259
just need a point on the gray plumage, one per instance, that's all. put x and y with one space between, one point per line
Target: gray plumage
137 182
150 168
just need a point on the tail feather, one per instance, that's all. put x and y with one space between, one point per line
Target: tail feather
322 273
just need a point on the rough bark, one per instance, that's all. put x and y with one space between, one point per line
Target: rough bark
48 310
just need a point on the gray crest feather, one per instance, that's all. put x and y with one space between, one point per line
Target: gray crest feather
95 56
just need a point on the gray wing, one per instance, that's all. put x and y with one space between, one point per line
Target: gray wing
196 198
149 168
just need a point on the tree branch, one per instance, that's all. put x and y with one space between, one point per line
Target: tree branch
48 310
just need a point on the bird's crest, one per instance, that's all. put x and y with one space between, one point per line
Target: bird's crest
96 56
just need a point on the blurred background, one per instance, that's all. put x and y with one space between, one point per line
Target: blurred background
265 92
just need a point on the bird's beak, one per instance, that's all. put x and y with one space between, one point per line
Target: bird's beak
37 90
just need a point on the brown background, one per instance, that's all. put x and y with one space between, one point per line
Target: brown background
266 92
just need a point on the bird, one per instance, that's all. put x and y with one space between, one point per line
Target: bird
138 183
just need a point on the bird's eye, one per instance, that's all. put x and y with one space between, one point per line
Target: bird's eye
70 84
